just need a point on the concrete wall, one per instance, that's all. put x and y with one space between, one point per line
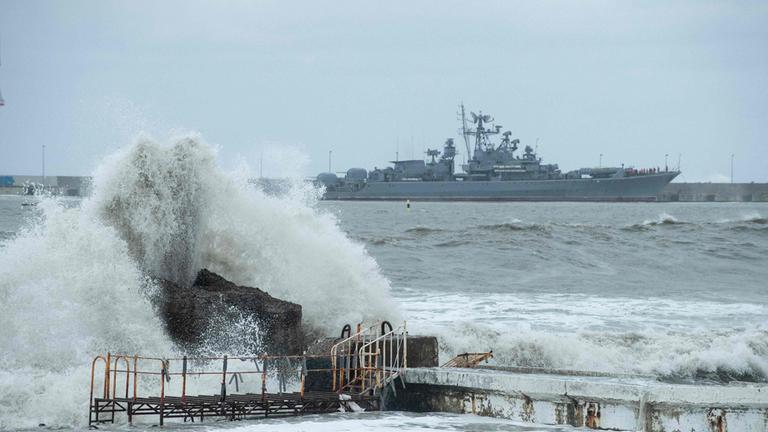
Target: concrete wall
608 402
740 192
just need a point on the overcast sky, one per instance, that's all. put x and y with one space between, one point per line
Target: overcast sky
293 80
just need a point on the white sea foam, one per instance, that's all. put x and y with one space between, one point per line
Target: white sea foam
75 284
650 336
663 219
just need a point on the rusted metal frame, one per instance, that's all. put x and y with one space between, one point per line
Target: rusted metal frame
167 408
135 376
242 358
90 399
303 376
127 375
184 380
163 374
222 401
102 406
264 377
370 356
468 360
360 332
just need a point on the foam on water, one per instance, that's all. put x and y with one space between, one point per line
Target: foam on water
566 331
76 282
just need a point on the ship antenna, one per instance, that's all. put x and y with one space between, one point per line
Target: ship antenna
464 129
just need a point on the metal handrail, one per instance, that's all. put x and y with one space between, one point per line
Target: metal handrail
378 359
350 372
137 370
127 375
390 365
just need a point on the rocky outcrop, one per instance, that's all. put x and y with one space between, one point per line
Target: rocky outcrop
215 314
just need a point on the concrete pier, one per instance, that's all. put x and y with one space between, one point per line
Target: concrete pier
598 401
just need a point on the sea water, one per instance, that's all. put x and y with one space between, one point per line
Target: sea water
672 290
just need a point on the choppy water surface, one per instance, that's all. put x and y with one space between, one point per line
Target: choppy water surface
677 291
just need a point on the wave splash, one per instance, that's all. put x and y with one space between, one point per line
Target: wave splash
77 282
706 356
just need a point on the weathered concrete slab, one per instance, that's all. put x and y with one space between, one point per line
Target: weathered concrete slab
601 402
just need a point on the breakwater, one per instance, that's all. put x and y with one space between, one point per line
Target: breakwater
721 192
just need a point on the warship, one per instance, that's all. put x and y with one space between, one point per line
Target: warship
494 173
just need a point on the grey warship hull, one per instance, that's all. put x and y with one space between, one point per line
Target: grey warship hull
636 188
493 172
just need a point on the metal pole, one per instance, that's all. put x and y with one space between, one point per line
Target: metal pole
330 152
184 380
666 165
600 165
731 168
224 380
43 166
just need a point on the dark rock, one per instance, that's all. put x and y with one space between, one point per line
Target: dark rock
214 314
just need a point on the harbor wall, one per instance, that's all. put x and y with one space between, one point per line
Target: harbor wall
717 192
596 401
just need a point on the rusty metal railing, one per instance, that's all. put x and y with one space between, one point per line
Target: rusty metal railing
344 360
155 367
363 362
384 358
468 360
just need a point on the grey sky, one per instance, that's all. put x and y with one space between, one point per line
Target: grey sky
632 80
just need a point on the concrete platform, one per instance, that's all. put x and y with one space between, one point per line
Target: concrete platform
599 401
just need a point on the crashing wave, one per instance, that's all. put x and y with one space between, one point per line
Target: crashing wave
77 282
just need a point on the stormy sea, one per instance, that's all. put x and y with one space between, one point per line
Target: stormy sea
673 291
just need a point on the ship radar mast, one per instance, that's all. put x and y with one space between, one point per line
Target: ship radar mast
464 129
481 132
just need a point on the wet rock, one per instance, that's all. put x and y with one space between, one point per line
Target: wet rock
215 314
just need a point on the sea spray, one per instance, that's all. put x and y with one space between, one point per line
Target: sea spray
79 281
69 290
179 211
